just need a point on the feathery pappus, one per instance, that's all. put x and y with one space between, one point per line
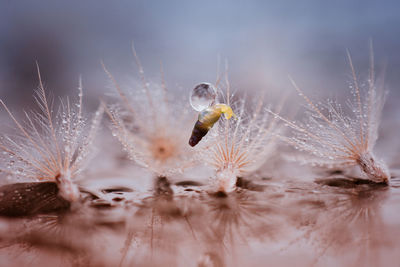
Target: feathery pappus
50 146
239 146
335 139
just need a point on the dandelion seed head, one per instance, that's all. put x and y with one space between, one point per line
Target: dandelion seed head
50 146
336 138
151 125
237 147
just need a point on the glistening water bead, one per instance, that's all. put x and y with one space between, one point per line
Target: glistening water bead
203 96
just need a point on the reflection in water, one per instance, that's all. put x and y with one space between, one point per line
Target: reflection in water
161 228
237 218
344 217
50 240
182 225
69 238
27 199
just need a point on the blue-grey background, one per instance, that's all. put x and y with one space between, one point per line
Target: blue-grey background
263 41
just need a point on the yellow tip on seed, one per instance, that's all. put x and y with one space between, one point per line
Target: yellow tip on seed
227 110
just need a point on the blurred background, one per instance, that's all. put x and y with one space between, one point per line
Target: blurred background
263 41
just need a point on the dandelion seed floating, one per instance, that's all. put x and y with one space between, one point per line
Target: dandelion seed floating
238 147
50 147
334 139
149 125
202 99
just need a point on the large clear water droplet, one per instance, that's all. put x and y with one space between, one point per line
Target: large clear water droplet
203 96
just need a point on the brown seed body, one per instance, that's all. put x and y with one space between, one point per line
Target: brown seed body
207 119
199 131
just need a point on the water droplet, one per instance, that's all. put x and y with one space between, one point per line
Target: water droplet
203 96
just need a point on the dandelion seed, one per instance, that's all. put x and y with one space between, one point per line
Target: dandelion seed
48 146
149 126
335 139
239 147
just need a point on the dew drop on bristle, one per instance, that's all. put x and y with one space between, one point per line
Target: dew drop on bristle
203 96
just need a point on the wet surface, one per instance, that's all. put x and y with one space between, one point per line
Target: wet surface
28 199
340 221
